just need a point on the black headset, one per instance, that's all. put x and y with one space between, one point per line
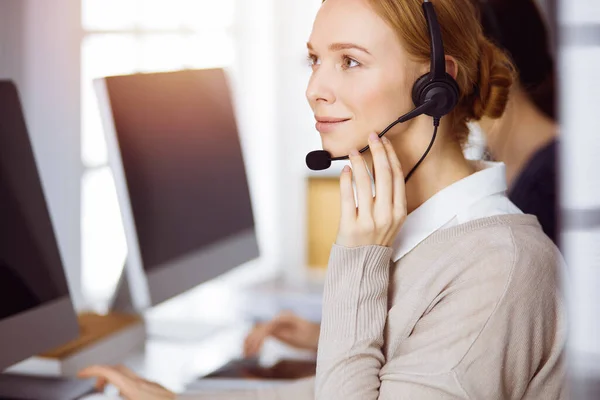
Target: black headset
435 94
436 85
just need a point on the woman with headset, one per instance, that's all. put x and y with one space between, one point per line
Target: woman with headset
438 286
527 149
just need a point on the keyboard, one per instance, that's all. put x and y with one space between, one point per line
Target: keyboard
250 368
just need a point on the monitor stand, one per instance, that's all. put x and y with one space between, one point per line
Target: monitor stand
188 317
23 387
161 325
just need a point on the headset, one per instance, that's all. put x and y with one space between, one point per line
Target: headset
435 94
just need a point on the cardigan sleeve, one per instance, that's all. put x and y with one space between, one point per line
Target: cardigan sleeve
355 303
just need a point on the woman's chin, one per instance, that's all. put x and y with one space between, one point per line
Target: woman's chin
334 152
337 150
334 149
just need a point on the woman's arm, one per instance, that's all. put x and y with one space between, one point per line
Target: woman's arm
349 355
354 313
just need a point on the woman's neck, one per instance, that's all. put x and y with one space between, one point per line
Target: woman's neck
520 134
444 165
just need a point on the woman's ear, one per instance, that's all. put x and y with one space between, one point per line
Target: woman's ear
451 66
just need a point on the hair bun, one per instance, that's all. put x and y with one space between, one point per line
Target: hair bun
496 76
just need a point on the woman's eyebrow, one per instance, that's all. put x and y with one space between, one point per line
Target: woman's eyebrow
342 46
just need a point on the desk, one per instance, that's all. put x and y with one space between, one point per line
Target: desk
175 364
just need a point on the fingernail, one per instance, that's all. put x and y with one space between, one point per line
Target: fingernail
385 140
346 169
373 137
354 152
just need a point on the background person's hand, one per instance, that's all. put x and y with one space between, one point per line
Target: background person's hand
286 327
131 386
374 220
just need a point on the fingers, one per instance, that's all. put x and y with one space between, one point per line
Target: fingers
398 192
287 317
126 371
105 374
250 342
256 338
364 191
276 327
348 205
382 211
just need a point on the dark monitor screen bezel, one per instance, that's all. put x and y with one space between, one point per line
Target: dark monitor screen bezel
53 322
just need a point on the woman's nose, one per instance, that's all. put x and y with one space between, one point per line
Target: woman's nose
320 88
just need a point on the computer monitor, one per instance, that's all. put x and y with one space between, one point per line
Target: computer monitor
36 313
181 181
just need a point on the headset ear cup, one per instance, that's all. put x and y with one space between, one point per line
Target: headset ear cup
418 87
446 91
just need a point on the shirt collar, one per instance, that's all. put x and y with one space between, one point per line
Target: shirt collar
448 203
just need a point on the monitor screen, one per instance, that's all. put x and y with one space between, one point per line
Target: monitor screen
31 271
36 313
182 161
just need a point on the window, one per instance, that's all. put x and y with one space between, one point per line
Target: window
124 37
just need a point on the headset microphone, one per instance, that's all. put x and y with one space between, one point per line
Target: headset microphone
321 159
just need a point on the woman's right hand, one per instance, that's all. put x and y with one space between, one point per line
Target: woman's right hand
131 386
372 220
286 327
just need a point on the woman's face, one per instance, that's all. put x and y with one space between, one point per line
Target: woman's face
362 77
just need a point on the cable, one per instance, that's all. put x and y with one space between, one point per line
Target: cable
436 123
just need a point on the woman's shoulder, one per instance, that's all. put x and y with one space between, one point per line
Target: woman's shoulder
501 248
499 230
470 289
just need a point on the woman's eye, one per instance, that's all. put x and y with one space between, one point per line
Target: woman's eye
313 60
350 63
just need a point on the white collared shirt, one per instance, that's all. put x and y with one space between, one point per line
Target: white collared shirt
479 195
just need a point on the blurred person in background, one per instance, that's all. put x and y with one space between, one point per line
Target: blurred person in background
525 137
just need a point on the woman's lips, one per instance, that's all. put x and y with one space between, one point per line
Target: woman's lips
327 126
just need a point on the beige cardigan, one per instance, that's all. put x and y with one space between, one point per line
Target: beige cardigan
472 312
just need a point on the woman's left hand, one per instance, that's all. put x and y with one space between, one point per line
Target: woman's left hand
375 220
131 386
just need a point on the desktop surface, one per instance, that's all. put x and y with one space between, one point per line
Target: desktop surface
216 360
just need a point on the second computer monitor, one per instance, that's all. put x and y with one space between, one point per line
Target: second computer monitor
181 180
36 313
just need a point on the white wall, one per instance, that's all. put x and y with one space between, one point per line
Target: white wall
296 134
11 39
254 93
39 49
276 123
